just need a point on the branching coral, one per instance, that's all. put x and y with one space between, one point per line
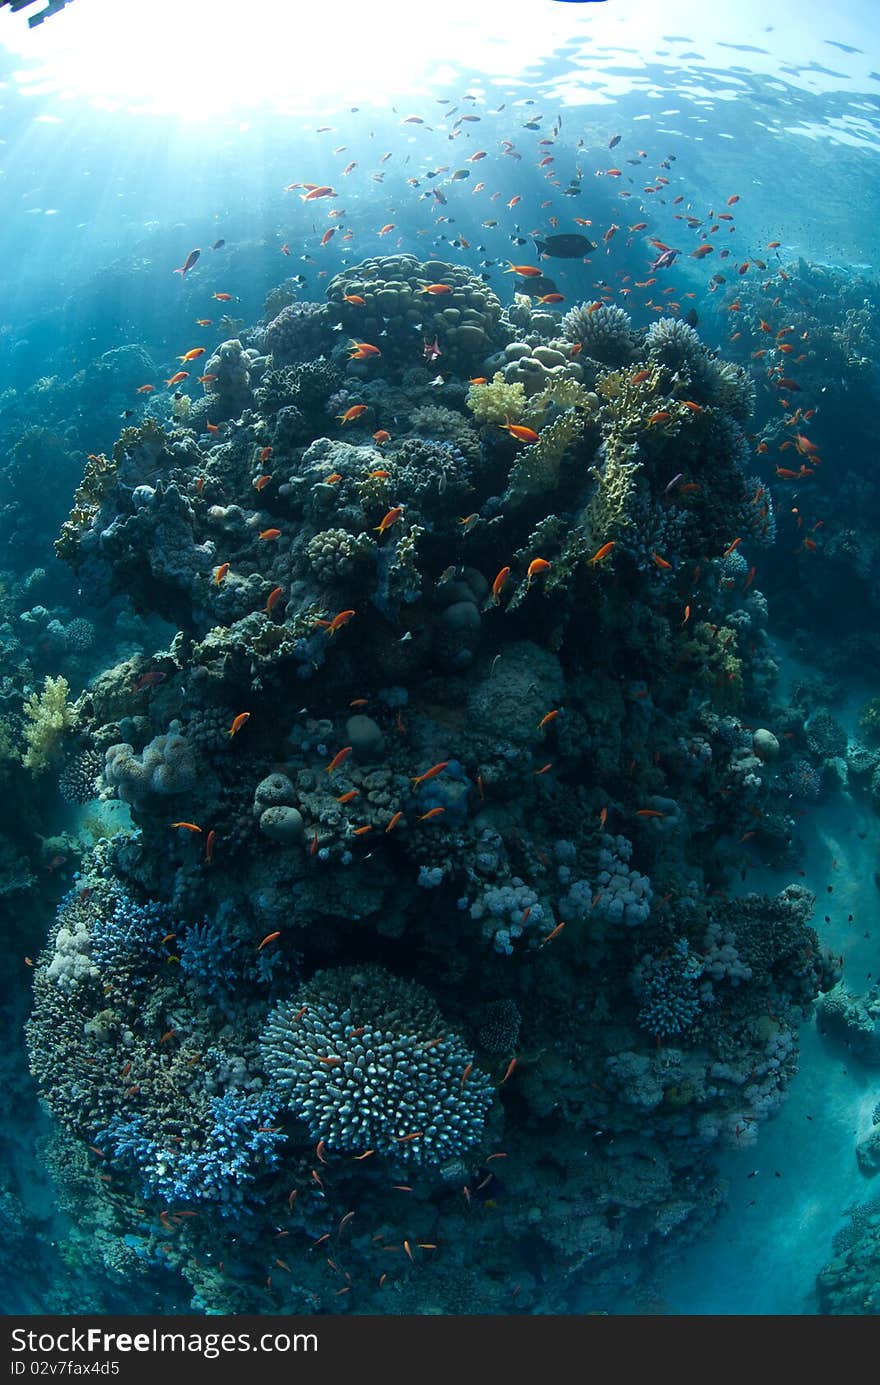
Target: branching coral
605 333
536 469
354 1055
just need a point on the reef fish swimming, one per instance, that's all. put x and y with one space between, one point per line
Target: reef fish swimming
565 247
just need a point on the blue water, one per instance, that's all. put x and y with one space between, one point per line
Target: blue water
756 134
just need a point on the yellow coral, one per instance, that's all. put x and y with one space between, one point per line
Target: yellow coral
536 469
607 511
50 716
497 401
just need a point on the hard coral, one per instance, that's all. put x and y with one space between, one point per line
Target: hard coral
353 1056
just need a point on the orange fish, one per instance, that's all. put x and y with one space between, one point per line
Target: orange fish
192 355
498 584
204 322
261 482
701 251
727 552
383 230
548 716
362 350
694 408
394 821
177 377
348 797
525 271
331 626
239 722
513 201
315 193
207 379
265 454
430 773
220 573
390 518
352 413
552 298
382 435
553 934
270 534
661 562
269 938
328 235
145 389
273 598
437 288
355 298
222 297
209 846
640 376
339 758
660 417
603 551
803 444
432 813
520 432
733 199
536 566
190 826
649 813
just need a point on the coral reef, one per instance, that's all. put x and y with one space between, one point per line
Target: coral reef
434 805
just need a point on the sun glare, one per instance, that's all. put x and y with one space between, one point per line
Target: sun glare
229 60
206 61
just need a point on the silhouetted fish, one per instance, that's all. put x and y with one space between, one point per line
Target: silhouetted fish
568 247
536 286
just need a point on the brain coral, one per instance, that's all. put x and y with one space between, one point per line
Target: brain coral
353 1055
